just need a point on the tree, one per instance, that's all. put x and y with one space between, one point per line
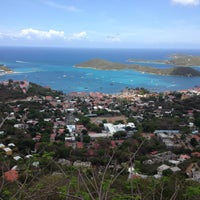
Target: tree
86 138
25 145
63 152
193 142
84 120
197 122
119 134
167 172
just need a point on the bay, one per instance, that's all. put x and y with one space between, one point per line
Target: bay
55 68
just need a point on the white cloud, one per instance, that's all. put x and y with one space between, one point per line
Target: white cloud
187 2
39 34
79 36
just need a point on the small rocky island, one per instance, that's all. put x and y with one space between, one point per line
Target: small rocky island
106 65
5 70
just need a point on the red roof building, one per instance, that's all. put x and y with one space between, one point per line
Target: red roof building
116 143
197 154
79 145
11 175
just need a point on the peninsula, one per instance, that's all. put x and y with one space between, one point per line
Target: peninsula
106 65
5 70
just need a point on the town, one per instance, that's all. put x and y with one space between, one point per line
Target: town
136 134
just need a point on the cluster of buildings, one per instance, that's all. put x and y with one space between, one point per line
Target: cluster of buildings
63 112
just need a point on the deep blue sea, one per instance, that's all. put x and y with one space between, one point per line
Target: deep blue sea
54 67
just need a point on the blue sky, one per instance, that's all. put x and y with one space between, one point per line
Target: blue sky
101 23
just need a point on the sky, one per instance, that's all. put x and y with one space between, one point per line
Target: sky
100 23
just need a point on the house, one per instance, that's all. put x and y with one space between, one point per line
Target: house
94 135
174 162
184 157
131 125
17 158
116 143
71 128
21 126
134 175
79 145
11 145
148 136
162 168
175 169
28 156
8 151
165 156
79 128
11 175
168 132
71 138
109 127
195 154
36 164
114 128
48 98
2 146
2 133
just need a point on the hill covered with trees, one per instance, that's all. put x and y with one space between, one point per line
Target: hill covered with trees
106 65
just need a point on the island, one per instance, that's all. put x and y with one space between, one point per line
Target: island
107 65
176 59
5 70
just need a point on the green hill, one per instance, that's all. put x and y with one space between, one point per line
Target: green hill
102 65
185 60
184 71
107 65
13 90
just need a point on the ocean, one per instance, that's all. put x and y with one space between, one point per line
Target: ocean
55 68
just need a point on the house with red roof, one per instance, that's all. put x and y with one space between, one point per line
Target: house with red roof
11 175
116 143
195 154
79 145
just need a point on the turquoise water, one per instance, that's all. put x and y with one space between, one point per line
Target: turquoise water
54 67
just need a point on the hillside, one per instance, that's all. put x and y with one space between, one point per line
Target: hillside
184 71
106 65
185 60
12 90
103 65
